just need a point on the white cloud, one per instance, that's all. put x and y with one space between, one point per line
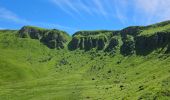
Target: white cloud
153 10
120 7
8 15
104 8
79 6
84 7
148 6
121 16
126 11
60 4
100 7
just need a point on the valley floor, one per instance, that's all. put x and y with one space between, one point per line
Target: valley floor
67 75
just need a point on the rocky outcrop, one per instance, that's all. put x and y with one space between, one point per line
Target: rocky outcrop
128 41
128 46
94 33
52 38
31 32
114 42
146 44
87 40
132 30
143 44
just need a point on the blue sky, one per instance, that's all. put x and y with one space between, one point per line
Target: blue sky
74 15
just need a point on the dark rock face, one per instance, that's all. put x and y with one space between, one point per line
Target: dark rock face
54 39
33 33
51 38
146 44
87 43
114 42
128 46
127 41
101 43
133 30
74 44
87 40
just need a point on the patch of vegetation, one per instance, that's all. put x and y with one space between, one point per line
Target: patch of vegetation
52 38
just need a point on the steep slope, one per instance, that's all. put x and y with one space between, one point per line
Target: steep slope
52 38
141 40
130 64
19 57
98 40
150 38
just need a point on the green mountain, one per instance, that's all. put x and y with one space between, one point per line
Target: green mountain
48 64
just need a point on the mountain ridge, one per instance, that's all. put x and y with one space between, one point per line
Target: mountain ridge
130 40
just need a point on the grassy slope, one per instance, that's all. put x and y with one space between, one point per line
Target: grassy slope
31 71
151 29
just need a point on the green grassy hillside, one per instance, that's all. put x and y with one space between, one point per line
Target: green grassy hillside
126 68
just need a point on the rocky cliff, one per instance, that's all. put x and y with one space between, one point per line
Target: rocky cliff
52 38
141 40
